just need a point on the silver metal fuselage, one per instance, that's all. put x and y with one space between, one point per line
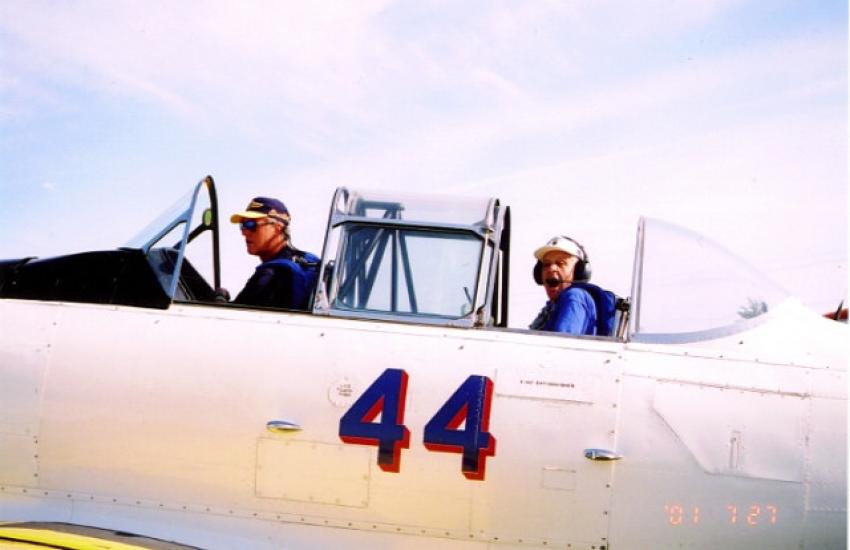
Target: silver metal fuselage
158 422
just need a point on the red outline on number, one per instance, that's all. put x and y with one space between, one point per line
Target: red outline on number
369 417
456 421
404 442
453 424
490 450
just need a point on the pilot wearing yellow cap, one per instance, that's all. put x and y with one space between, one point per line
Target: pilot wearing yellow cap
287 276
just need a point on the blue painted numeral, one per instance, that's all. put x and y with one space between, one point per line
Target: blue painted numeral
386 397
469 405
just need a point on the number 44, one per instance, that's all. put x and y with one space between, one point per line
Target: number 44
469 406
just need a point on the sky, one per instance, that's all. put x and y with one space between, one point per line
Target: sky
728 117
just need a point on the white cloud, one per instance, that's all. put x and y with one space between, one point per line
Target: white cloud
326 56
202 53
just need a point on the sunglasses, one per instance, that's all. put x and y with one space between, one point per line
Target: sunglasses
252 225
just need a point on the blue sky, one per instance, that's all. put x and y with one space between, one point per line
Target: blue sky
728 117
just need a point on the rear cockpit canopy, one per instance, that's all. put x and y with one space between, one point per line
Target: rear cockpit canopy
686 288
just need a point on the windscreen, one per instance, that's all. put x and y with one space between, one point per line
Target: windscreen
689 284
182 233
408 271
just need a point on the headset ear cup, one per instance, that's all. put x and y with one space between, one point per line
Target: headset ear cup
538 272
582 272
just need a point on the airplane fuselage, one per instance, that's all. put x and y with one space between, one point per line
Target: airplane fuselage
165 421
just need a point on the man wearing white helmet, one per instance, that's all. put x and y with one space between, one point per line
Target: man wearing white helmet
563 269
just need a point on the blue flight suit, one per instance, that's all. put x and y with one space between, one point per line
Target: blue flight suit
282 282
574 312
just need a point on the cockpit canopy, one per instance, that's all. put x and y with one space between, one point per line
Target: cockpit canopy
687 288
410 258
